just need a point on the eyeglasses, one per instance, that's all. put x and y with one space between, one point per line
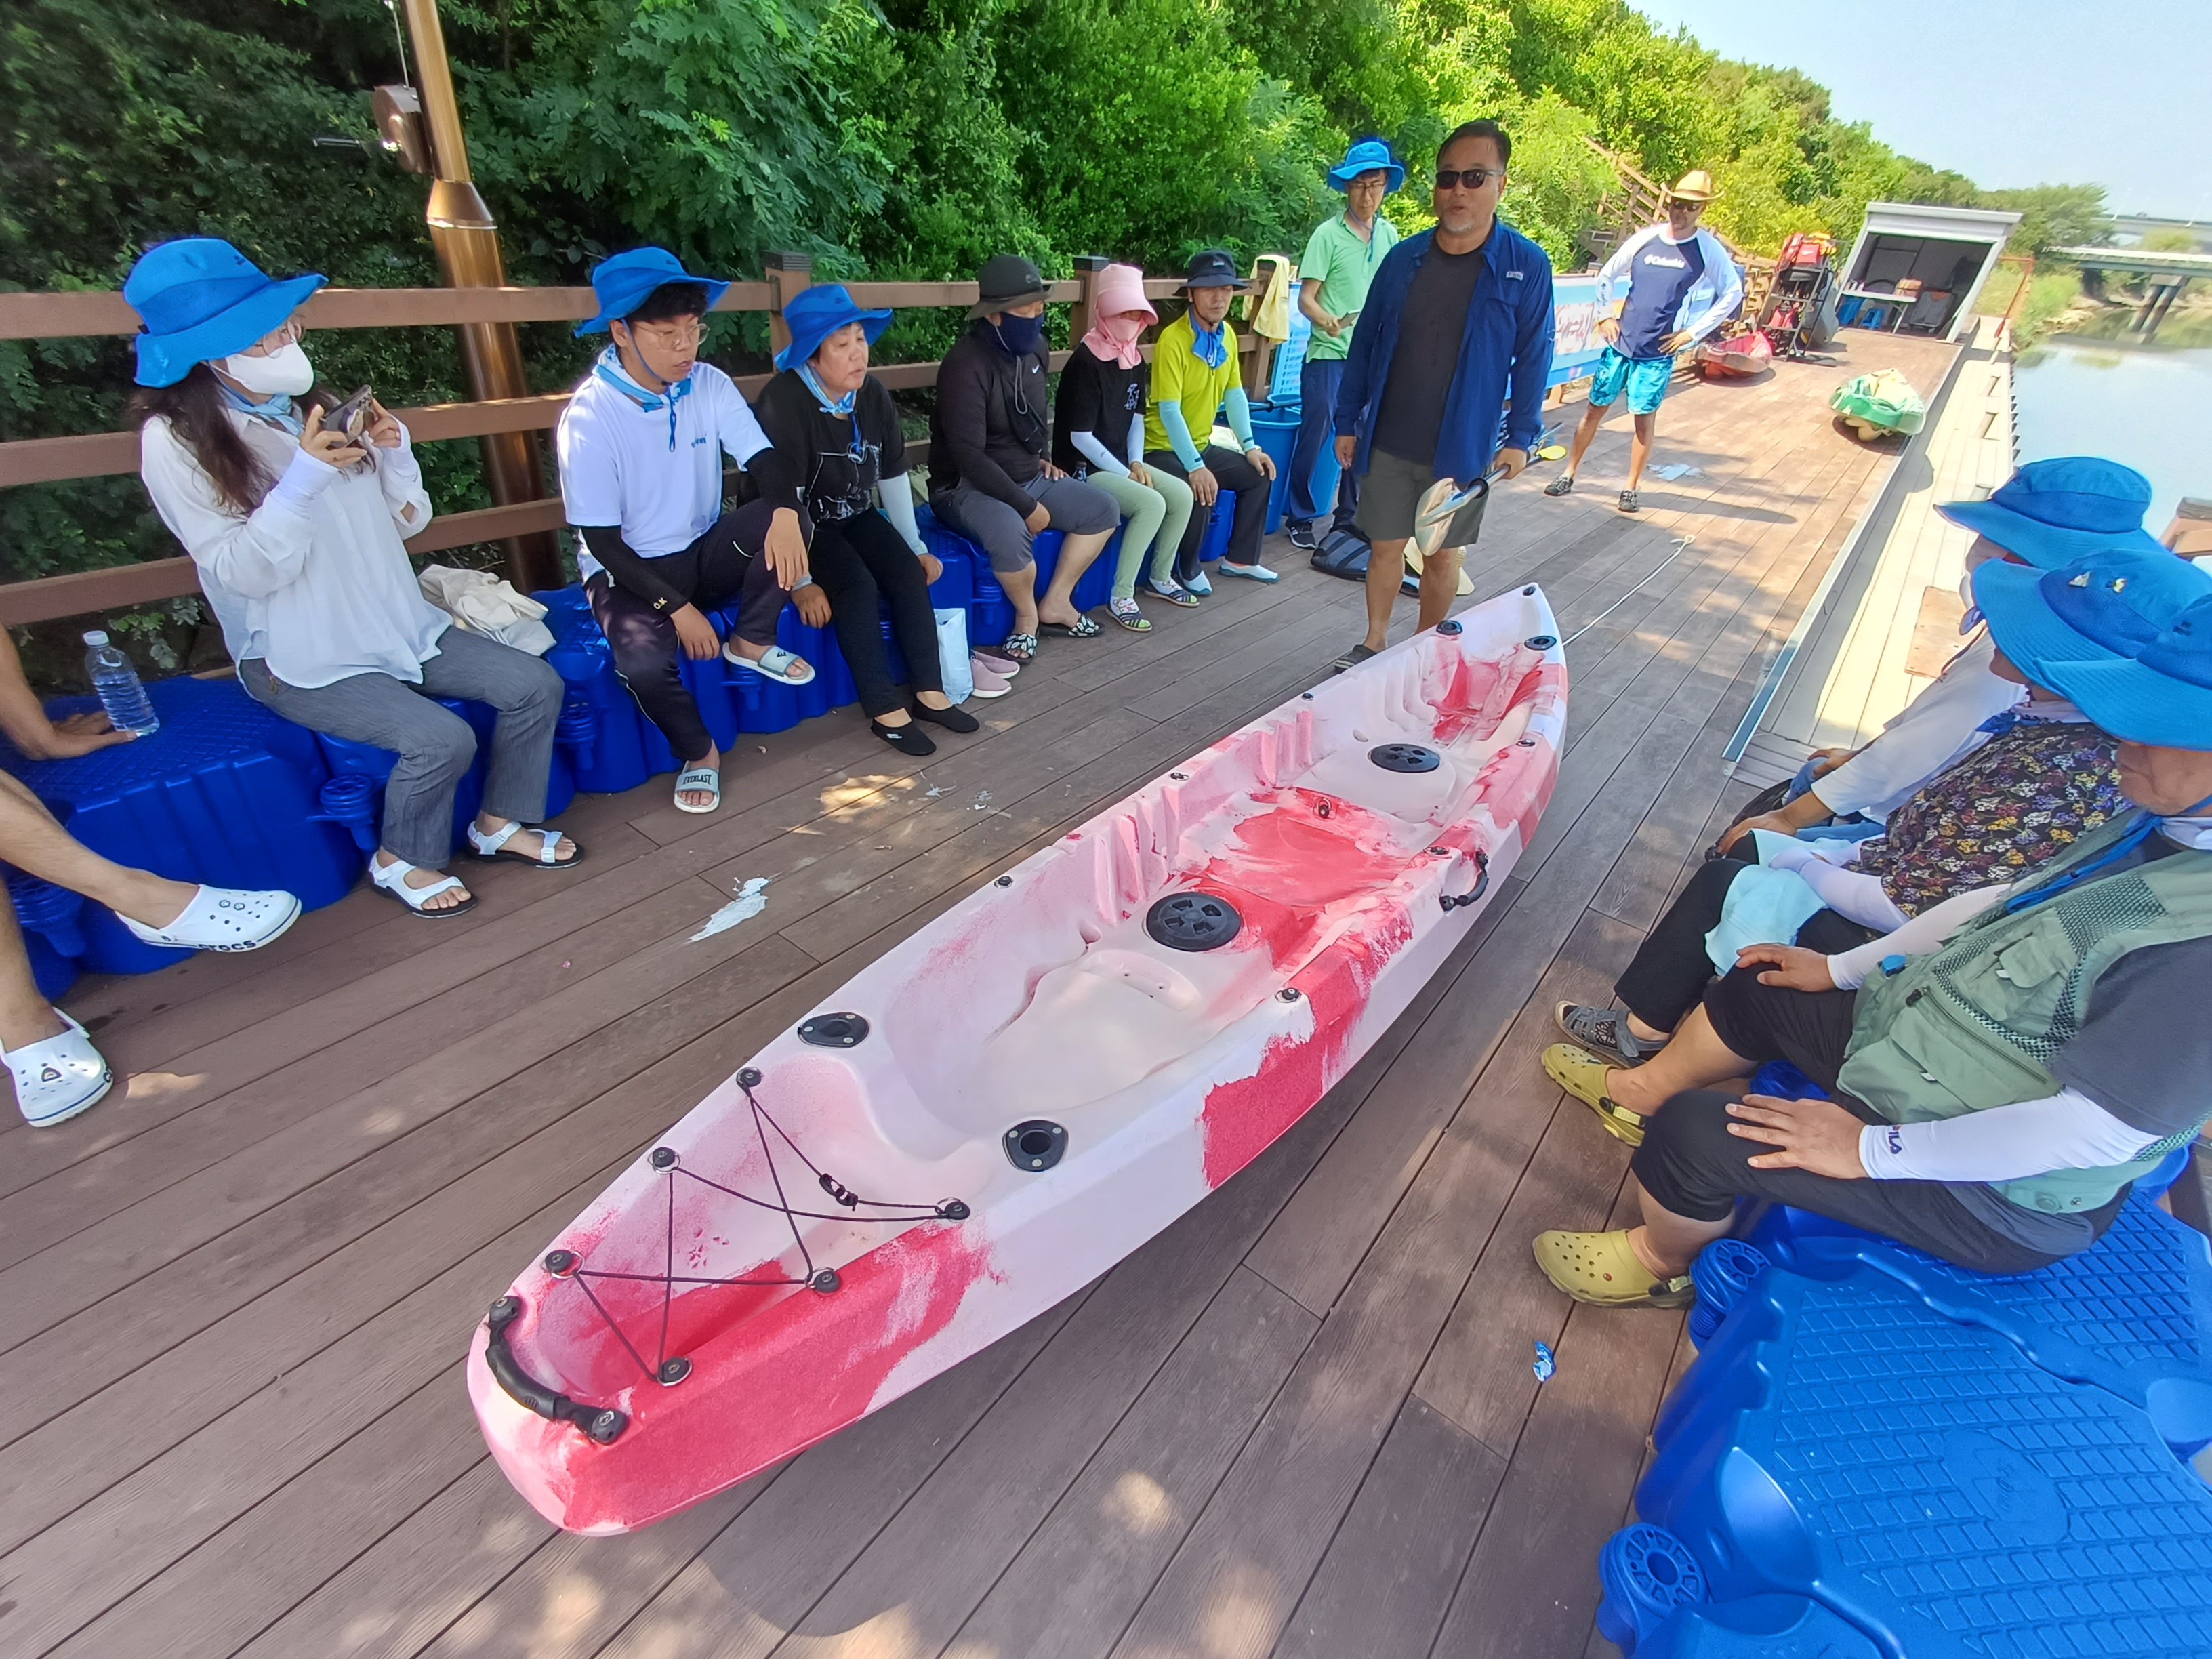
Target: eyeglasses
671 334
1472 178
287 333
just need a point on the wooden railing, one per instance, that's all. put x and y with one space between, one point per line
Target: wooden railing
106 454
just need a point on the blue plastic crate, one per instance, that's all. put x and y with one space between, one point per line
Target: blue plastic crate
1927 1483
2131 1313
225 794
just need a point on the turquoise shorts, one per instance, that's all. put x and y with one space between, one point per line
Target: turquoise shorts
1646 378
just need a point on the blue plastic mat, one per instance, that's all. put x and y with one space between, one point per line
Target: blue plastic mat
2132 1313
225 793
1927 1483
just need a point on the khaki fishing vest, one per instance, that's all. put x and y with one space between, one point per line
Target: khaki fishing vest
1975 1024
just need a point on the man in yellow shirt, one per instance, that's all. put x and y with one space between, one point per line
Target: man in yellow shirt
1194 368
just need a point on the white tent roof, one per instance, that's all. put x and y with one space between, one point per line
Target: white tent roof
1942 224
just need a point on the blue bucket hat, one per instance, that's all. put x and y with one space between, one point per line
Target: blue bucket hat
201 299
623 282
2105 608
813 314
2052 512
2162 695
1365 157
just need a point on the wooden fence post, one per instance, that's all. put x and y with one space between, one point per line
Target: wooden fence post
1087 267
788 273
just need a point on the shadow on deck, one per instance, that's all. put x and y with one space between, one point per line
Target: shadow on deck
234 1299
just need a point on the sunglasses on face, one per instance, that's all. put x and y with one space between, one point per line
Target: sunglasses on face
1470 178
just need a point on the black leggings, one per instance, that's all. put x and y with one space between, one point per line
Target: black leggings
1235 474
722 565
1670 969
858 561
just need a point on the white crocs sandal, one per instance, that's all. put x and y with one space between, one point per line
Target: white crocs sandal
773 663
392 879
58 1077
223 919
495 847
703 779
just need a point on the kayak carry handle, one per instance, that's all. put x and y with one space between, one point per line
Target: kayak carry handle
600 1423
1452 902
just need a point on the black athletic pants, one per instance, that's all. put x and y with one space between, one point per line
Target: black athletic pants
1693 1166
1670 970
1235 474
858 561
722 565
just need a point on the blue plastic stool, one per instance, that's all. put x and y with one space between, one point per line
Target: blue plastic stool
601 732
1216 540
1924 1481
225 794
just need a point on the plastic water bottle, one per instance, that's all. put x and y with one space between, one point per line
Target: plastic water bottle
116 683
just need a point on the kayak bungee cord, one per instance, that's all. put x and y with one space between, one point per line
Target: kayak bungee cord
669 1371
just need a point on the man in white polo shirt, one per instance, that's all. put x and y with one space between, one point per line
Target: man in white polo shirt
642 443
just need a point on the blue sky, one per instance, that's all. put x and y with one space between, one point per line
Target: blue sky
2008 92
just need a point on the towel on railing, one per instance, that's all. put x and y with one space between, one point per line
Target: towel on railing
483 604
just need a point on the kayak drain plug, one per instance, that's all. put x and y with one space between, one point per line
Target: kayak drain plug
1193 922
1037 1144
835 1030
1405 757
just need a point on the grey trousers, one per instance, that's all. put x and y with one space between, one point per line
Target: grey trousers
435 746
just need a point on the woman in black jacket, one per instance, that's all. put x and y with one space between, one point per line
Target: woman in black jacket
836 430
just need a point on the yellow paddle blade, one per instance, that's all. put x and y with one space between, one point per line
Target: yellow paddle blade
1553 453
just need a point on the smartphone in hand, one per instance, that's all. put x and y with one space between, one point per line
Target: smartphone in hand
352 417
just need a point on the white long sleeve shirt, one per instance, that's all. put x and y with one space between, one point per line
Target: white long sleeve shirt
1934 729
315 580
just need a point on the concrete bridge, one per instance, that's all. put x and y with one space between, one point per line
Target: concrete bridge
2165 276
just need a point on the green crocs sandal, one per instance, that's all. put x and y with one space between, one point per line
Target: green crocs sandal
1581 1074
1600 1269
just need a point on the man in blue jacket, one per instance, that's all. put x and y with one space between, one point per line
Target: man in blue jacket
1455 316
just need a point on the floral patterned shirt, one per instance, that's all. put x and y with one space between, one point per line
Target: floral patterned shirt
2017 801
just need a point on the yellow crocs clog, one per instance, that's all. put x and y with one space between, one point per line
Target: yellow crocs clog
1581 1074
1601 1268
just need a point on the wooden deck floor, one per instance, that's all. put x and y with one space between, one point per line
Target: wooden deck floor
233 1300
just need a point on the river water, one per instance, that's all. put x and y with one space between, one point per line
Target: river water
2150 407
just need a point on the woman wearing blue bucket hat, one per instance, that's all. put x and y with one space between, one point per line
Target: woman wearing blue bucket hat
837 434
1340 261
2048 512
297 529
2005 1064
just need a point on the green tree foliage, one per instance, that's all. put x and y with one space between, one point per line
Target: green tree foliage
2055 216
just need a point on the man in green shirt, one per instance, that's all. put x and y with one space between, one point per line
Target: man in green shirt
1340 261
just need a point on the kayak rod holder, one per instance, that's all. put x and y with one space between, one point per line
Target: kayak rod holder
1035 1145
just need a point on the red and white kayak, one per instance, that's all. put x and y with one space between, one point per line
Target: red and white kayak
1734 358
998 1110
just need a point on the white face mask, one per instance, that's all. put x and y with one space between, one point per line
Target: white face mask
285 372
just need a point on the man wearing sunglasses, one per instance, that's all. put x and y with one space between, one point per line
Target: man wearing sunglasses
1664 289
1456 318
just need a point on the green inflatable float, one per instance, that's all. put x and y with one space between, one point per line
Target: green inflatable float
1874 405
